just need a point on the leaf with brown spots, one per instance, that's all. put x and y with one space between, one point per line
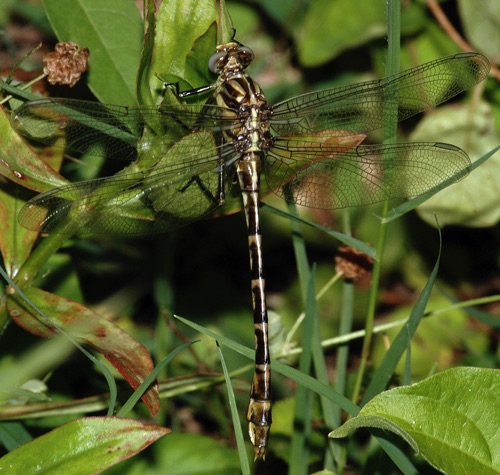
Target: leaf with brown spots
126 354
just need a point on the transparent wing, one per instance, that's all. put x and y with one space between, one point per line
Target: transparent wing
363 107
115 131
330 176
186 185
191 176
111 130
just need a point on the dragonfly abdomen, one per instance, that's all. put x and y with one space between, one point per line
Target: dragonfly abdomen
259 408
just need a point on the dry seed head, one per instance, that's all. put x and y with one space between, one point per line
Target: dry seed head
66 64
353 264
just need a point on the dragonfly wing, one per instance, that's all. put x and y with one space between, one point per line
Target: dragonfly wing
169 195
362 175
111 130
364 107
80 126
183 189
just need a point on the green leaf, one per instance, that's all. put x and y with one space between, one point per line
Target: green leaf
414 202
208 457
330 28
127 355
112 30
474 200
15 241
480 21
451 419
85 446
185 36
144 94
20 164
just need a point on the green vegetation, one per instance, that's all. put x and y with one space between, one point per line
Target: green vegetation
409 352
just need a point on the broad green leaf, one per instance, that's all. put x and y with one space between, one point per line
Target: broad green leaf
480 21
414 202
210 457
81 447
127 355
20 164
185 454
164 199
451 419
185 37
474 200
112 31
15 241
330 28
144 94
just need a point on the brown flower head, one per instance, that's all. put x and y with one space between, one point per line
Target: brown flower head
66 64
353 264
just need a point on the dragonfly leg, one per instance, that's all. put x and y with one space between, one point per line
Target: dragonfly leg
190 92
216 200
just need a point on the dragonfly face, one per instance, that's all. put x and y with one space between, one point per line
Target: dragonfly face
311 143
230 60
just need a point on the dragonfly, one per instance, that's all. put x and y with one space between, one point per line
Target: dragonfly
191 161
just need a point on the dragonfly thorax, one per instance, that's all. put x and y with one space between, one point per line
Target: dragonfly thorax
241 101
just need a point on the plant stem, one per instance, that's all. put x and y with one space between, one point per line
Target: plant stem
390 127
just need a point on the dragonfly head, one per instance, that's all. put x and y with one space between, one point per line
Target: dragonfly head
230 55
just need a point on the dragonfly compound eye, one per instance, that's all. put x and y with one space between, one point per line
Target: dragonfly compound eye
216 63
246 55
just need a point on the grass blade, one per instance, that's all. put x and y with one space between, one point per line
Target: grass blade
238 433
402 340
150 379
287 371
